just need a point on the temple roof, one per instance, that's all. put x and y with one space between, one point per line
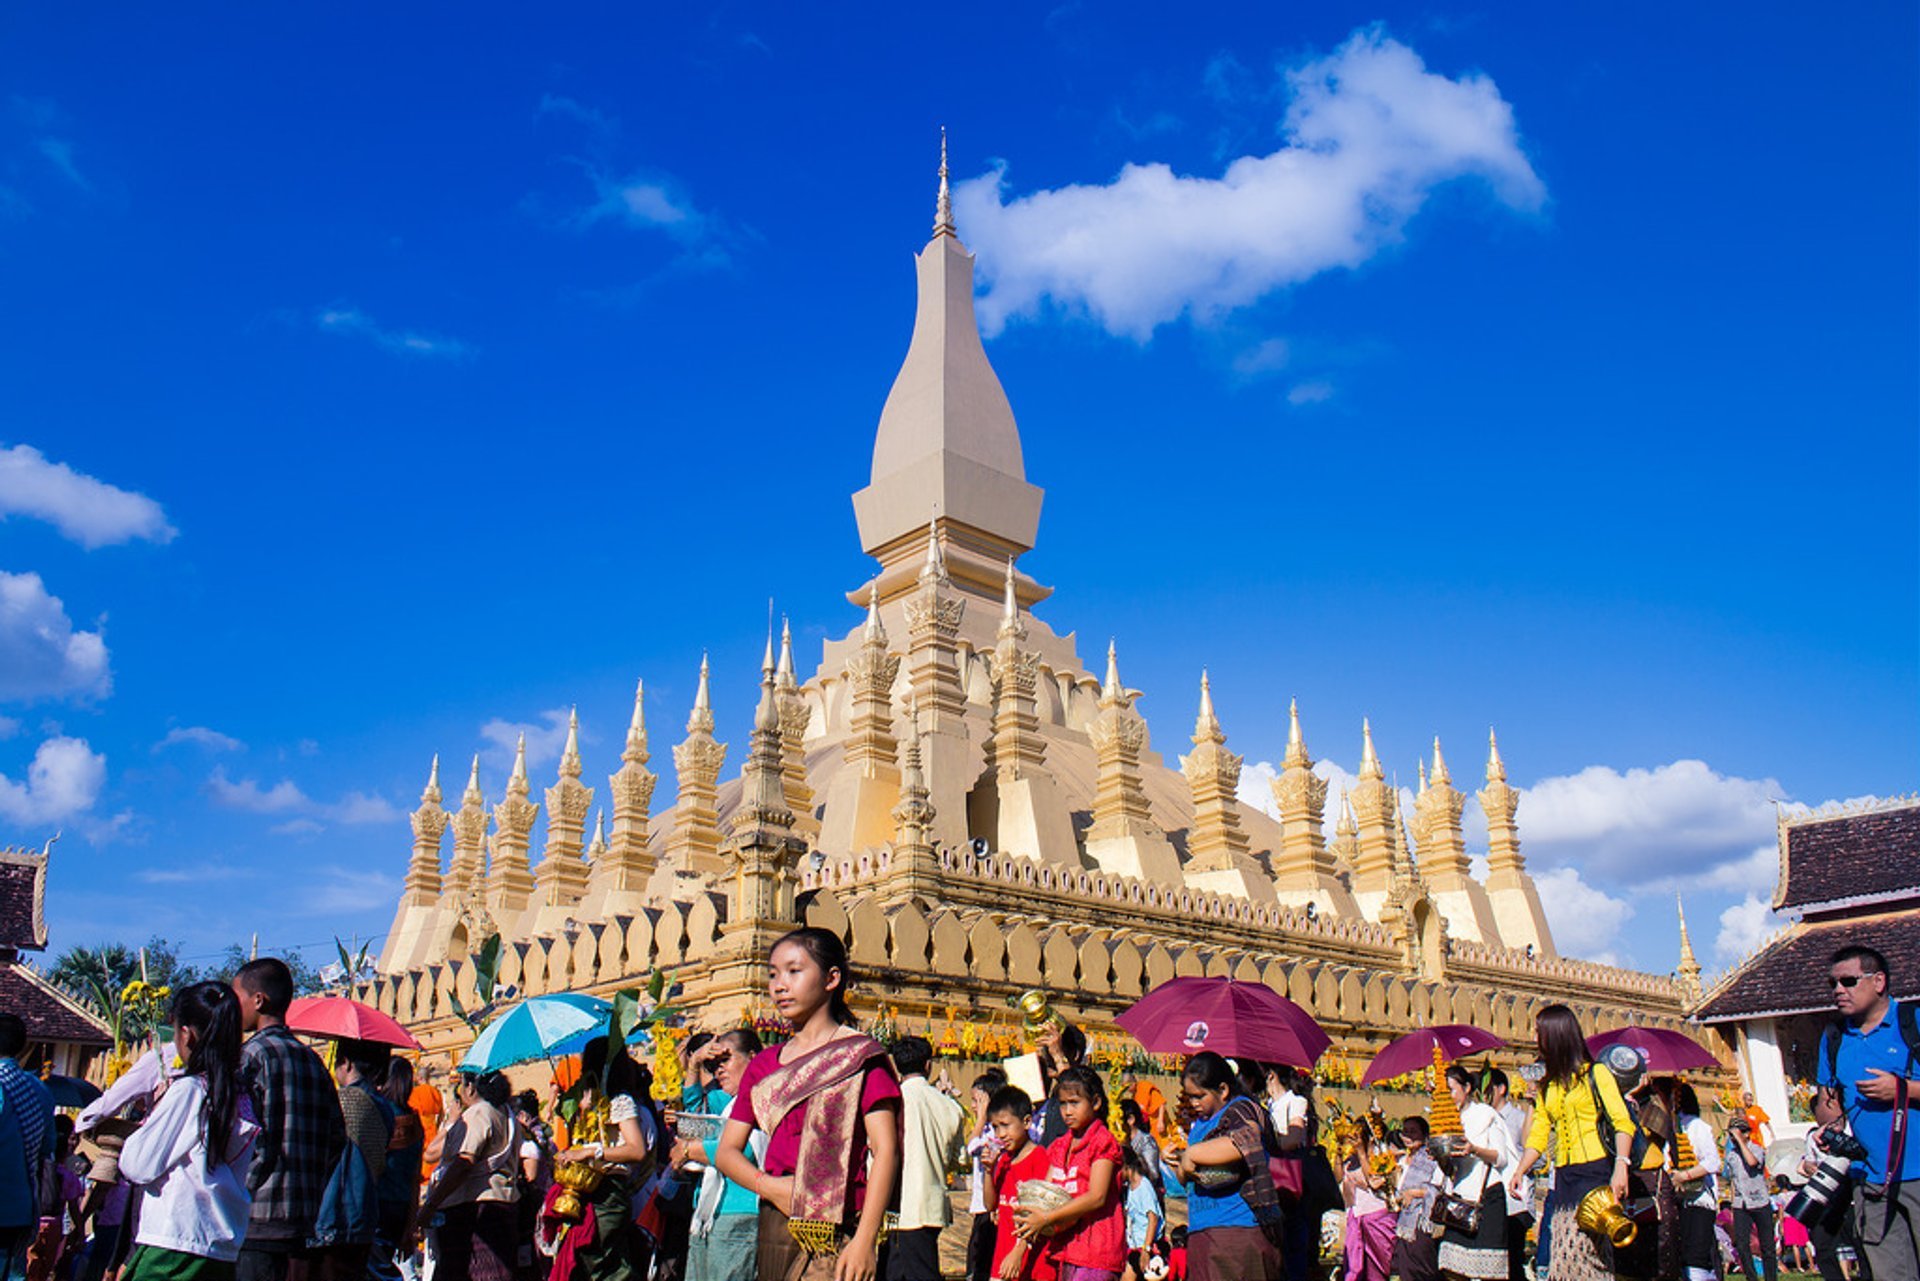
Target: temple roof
1789 975
49 1013
23 893
1857 858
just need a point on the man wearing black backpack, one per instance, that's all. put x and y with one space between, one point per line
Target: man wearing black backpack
1868 1065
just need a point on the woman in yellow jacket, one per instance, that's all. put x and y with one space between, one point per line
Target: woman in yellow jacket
1572 1099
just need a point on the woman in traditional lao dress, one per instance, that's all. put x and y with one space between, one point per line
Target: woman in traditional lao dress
630 1150
828 1101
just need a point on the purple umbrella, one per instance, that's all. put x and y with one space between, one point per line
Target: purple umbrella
1414 1051
1244 1020
1664 1051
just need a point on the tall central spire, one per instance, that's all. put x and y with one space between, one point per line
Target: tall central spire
947 441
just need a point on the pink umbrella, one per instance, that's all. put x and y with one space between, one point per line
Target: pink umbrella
1414 1051
348 1020
1664 1051
1244 1020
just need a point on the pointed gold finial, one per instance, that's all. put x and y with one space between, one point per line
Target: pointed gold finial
636 752
473 794
934 572
784 674
1423 780
766 716
874 631
1686 943
1206 725
1369 759
701 718
518 779
1440 774
943 203
1496 768
570 757
1111 688
1009 602
599 845
767 662
1346 826
430 795
1296 757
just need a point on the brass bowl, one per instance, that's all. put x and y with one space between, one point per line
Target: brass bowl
578 1180
1601 1214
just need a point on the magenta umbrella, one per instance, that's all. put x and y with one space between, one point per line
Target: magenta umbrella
1664 1051
1242 1020
1414 1051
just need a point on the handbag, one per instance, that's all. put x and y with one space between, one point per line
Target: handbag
1458 1213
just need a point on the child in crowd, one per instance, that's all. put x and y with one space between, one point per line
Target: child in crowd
828 1090
1177 1255
1087 1237
190 1158
1144 1219
1014 1257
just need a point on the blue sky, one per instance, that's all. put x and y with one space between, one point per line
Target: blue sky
374 382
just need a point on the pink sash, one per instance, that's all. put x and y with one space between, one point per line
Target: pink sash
828 1080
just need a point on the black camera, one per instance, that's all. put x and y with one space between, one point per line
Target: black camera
1842 1144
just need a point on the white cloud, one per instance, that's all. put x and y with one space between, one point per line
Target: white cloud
1745 926
340 889
282 798
200 736
286 797
1268 357
1640 825
63 780
297 827
1586 921
1368 135
543 741
90 512
1317 392
401 342
41 655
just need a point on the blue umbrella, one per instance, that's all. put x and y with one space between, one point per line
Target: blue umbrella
539 1027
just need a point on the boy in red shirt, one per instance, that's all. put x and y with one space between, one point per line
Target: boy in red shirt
1020 1159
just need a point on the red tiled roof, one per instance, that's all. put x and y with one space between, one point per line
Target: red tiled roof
50 1015
1869 857
1790 975
23 888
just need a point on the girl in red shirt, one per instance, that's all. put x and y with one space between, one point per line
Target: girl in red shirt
1087 1235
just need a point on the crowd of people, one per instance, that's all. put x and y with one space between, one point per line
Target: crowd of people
235 1153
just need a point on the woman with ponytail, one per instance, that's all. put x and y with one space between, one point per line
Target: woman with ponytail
189 1160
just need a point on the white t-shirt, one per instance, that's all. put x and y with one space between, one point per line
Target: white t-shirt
1706 1153
1288 1110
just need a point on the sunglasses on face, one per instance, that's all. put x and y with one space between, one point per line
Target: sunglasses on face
1847 980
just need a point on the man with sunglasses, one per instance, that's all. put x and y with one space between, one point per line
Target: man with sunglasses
1870 1071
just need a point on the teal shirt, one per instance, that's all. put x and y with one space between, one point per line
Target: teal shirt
734 1199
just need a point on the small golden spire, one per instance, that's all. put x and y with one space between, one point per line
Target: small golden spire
430 795
473 795
1346 826
1496 768
636 752
874 631
943 203
934 572
766 716
1296 740
783 674
1206 726
599 845
517 781
1112 690
1440 774
1423 780
570 758
1369 759
701 719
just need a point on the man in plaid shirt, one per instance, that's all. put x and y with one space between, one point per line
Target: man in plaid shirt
301 1130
